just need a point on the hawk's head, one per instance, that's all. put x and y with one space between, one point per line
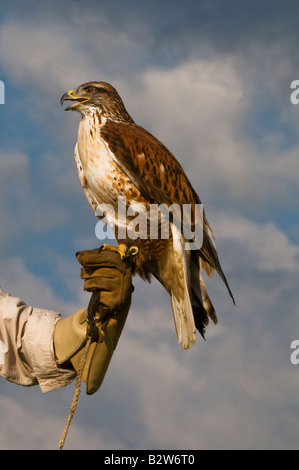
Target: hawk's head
97 95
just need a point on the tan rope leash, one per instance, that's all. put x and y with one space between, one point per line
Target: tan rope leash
75 397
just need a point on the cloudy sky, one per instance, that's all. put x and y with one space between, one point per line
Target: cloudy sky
211 79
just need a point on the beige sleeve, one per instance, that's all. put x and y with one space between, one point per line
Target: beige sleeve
26 345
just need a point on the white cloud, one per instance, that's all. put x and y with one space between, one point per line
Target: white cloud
45 57
287 165
27 429
54 56
197 105
19 281
14 177
262 246
25 205
13 163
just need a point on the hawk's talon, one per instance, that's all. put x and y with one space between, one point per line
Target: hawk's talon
133 251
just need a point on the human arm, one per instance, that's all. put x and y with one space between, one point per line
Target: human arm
26 345
39 347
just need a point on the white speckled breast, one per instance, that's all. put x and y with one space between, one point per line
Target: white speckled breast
102 179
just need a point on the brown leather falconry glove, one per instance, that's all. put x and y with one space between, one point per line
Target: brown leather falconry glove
107 274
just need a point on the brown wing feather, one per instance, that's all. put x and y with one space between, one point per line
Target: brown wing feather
158 176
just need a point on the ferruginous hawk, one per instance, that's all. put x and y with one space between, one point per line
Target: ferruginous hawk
117 158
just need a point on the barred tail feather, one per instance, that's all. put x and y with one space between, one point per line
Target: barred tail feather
180 295
184 320
203 308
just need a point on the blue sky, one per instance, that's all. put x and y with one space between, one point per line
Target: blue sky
212 80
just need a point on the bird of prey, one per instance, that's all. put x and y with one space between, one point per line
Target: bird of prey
117 157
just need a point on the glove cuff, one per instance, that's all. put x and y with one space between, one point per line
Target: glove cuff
70 338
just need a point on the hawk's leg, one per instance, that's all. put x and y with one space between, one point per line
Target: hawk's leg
122 249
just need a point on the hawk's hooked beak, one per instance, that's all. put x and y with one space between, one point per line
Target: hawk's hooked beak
70 96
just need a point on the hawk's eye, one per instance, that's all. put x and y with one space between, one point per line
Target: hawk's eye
89 89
